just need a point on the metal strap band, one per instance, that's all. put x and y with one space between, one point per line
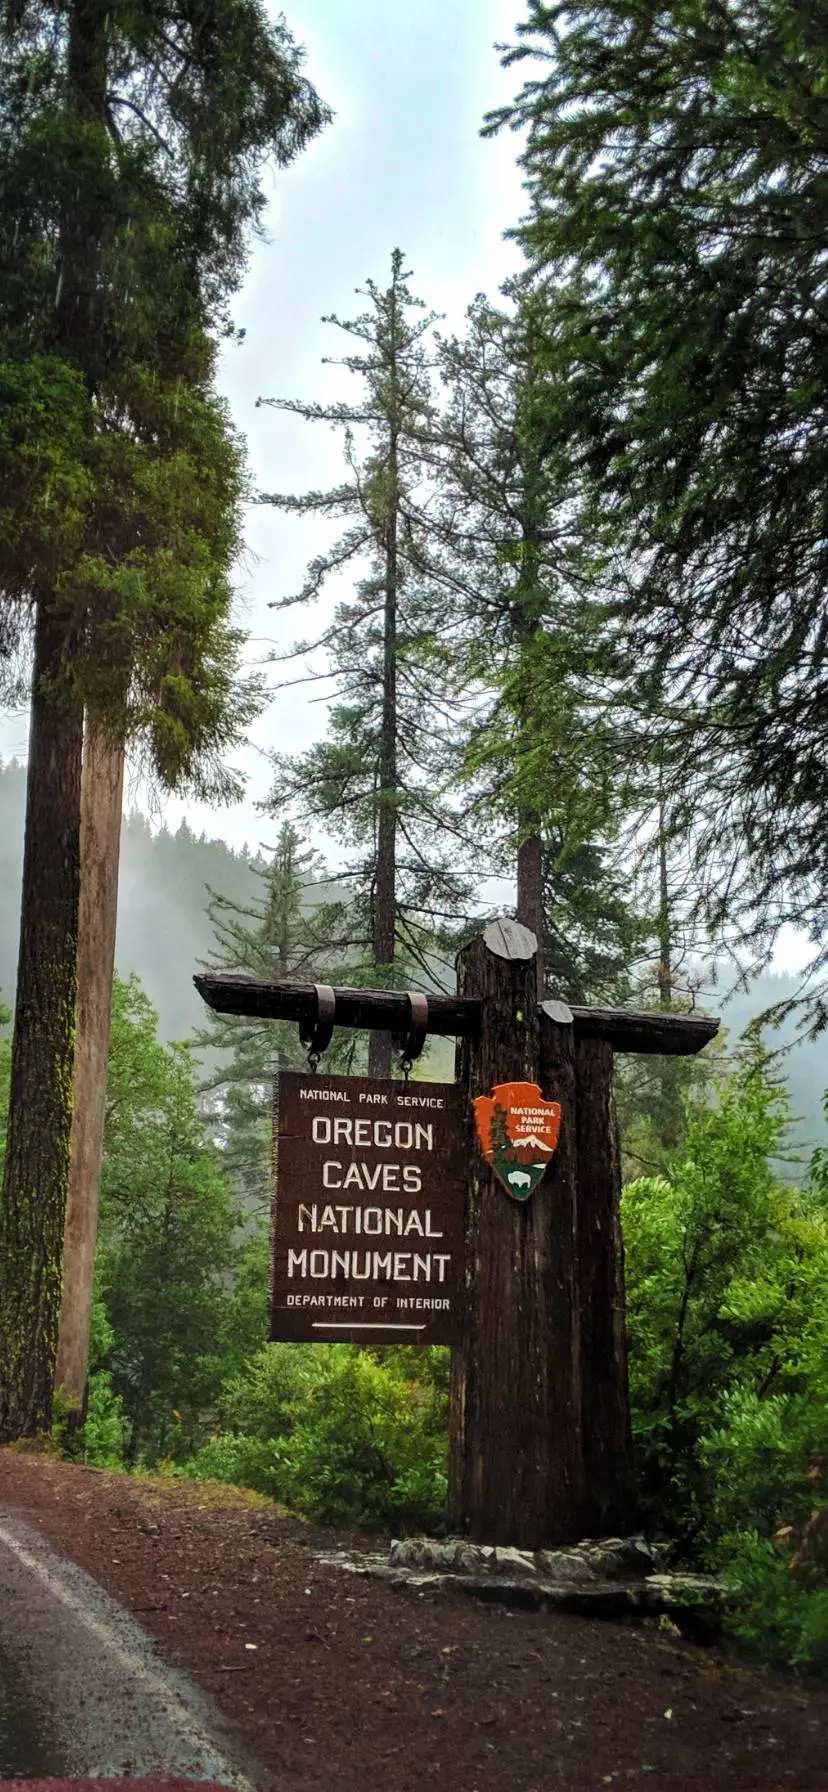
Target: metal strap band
415 1038
316 1036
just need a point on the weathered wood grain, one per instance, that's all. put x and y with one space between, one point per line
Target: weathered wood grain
628 1030
510 939
370 1009
515 1461
605 1415
458 1017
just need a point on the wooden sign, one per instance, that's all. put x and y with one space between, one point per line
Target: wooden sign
518 1131
367 1236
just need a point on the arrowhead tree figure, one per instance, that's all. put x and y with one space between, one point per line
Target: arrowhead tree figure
132 142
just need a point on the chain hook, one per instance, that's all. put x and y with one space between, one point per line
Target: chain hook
315 1034
411 1041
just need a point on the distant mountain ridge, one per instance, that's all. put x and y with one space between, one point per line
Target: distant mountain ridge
164 932
165 936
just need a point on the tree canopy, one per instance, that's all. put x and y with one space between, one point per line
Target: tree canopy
675 164
378 781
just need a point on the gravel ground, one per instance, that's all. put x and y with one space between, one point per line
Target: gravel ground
336 1683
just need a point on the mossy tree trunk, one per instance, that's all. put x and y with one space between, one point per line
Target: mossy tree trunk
40 1109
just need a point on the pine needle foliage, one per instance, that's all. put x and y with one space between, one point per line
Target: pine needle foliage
290 930
540 756
675 166
377 781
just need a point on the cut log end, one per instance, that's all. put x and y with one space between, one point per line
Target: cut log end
510 939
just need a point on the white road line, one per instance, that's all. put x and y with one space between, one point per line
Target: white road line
187 1727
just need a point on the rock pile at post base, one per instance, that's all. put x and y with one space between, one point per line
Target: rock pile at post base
611 1577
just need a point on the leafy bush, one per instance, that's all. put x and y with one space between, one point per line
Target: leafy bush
771 1614
727 1284
760 1458
104 1431
166 1251
727 1281
342 1435
101 1441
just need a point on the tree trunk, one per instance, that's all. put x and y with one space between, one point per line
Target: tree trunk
100 837
665 943
385 890
81 222
515 1470
40 1108
40 1111
605 1411
530 897
670 1116
528 608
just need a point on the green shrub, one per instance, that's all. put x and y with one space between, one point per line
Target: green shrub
103 1433
760 1459
727 1282
101 1441
770 1614
337 1434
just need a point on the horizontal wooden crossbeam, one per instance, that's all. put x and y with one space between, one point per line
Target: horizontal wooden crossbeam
374 1010
385 1010
628 1030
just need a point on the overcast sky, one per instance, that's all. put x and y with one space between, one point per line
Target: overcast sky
401 165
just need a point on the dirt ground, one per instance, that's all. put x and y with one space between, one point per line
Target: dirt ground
343 1684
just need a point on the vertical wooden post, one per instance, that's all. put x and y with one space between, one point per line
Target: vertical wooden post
605 1413
559 1189
515 1470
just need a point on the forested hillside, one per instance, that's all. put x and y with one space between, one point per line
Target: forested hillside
165 934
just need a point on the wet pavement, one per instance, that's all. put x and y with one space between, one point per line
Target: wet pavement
27 1744
83 1691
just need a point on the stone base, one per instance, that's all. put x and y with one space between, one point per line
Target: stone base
611 1577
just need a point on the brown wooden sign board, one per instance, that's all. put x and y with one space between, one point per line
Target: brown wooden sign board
367 1235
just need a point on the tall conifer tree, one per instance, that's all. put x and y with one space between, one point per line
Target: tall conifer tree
131 145
376 781
675 165
545 775
290 929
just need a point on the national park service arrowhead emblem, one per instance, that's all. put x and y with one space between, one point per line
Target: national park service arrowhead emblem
518 1131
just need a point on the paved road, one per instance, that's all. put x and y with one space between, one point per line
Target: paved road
82 1690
